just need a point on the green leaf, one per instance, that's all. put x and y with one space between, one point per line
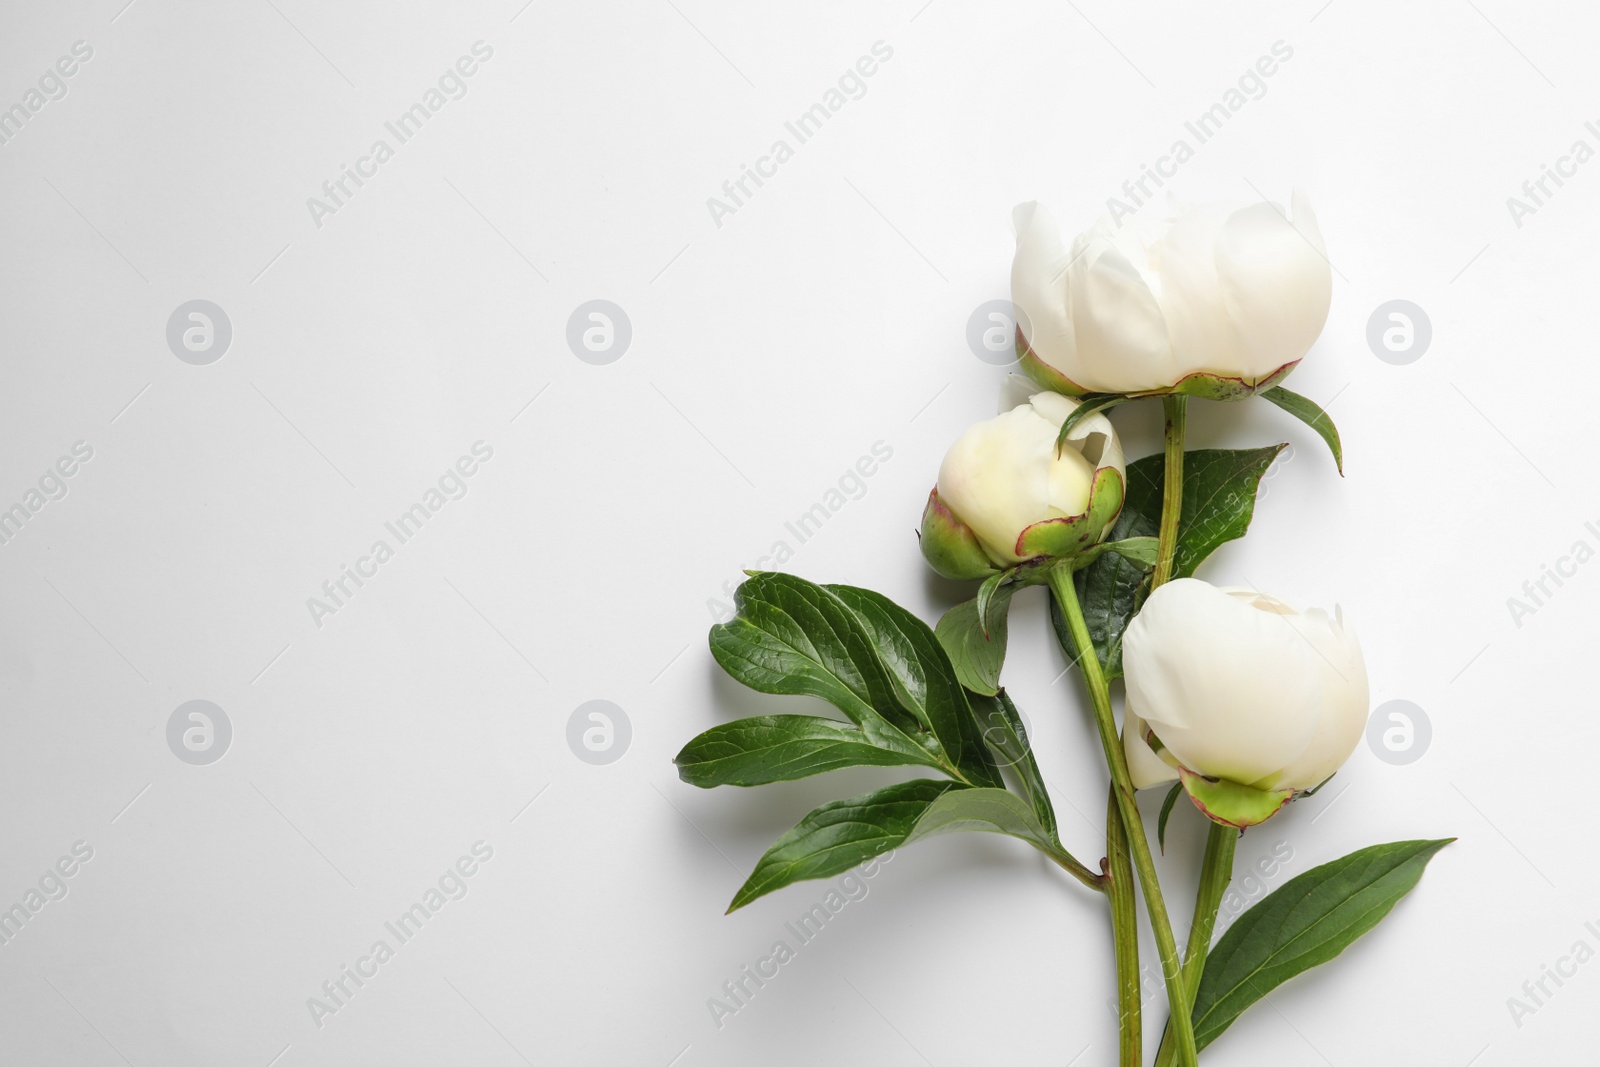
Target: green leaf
793 637
782 748
977 657
1088 406
1141 550
986 603
1313 416
838 836
1166 811
1308 921
1007 737
1219 496
924 679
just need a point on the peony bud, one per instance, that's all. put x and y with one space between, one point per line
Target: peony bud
1233 688
1006 494
1204 300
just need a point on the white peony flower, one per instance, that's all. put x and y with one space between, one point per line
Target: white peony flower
1211 300
1006 495
1236 685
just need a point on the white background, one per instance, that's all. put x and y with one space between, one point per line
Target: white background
768 354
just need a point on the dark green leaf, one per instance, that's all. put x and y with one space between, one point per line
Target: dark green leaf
781 748
1219 495
1308 921
924 680
1166 810
838 836
1313 416
793 637
976 657
1008 738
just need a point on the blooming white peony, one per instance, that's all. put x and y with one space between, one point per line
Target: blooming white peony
1236 685
1213 300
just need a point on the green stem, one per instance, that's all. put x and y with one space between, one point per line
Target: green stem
1124 937
1216 871
1176 409
1122 789
1100 883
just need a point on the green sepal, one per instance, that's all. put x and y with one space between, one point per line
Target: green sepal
1223 387
950 546
1203 384
1066 537
1044 375
1231 804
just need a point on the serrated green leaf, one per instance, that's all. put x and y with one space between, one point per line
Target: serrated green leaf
838 836
1219 495
1007 737
1308 412
782 748
977 657
1308 921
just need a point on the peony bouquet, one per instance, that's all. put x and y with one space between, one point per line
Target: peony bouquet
1234 700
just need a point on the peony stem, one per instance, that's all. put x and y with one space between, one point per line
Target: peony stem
1216 871
1176 409
1122 790
1124 937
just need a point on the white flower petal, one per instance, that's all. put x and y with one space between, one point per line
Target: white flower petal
1345 702
1232 691
1039 287
1172 292
1121 335
1144 766
1190 293
1003 475
1276 285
